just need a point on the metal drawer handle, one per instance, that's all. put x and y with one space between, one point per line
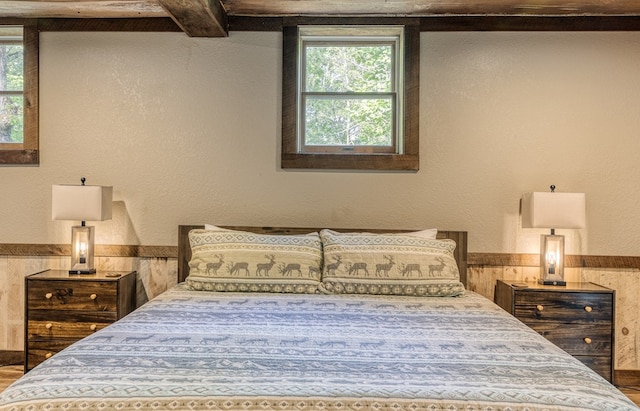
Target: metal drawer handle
93 296
539 307
48 355
588 309
48 326
93 327
48 296
587 340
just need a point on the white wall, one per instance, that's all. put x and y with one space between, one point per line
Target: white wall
188 131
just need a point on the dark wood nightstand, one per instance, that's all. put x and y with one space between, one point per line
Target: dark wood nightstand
62 308
578 317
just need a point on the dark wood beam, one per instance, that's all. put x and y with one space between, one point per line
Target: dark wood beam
423 8
198 18
141 24
84 9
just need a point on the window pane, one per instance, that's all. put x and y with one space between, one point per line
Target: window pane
349 121
11 119
11 59
349 68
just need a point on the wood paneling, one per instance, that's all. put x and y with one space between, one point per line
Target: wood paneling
15 250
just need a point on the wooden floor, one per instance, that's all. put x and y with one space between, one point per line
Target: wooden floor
10 373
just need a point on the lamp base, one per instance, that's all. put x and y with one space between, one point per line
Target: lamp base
552 282
82 240
87 271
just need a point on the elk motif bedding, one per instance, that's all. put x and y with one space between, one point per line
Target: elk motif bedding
267 351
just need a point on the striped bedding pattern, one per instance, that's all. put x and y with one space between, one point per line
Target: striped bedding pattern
191 350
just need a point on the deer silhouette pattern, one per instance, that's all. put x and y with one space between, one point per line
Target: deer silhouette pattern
328 261
388 264
240 261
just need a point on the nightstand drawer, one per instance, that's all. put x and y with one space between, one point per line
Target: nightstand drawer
65 329
68 295
584 308
600 364
576 339
38 351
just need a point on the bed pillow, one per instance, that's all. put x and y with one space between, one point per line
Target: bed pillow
430 233
400 264
215 227
243 261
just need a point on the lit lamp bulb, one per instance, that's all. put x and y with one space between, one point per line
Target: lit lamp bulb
551 260
83 253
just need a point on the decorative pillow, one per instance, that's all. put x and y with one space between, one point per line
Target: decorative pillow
400 264
243 261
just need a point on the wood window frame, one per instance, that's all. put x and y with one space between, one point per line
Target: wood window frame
408 160
27 152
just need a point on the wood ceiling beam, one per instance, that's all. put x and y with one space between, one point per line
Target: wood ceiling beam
198 18
81 9
425 8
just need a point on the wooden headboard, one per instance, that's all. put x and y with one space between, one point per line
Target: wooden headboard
184 249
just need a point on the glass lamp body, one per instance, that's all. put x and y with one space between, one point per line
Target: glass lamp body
82 250
552 260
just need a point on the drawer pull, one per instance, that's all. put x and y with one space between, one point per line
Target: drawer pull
93 327
48 326
48 296
48 355
588 309
93 296
587 340
540 307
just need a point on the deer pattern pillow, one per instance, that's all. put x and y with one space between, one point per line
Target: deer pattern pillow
225 260
395 264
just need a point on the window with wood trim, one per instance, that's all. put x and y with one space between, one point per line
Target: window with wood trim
18 95
350 97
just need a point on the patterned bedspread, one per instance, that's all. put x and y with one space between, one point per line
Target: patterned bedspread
232 351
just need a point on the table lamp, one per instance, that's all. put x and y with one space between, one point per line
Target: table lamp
552 210
84 203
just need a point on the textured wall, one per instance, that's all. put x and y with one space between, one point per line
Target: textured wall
187 131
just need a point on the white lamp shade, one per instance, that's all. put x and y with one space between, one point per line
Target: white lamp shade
83 203
553 210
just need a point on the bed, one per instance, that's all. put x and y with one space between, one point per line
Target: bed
352 343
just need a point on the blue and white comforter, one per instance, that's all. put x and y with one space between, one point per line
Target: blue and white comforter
232 351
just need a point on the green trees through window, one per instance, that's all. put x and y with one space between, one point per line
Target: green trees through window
19 46
349 95
11 85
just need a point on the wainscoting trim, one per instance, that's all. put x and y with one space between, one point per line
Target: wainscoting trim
167 251
34 250
11 357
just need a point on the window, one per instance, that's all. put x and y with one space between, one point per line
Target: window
18 95
350 97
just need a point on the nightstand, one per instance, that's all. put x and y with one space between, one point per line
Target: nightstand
62 308
578 317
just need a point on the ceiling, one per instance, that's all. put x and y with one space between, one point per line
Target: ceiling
209 18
